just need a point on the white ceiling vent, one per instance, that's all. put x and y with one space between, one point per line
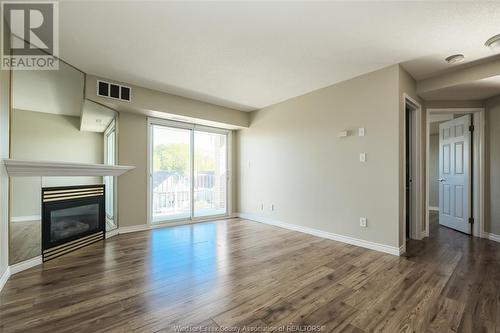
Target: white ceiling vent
112 90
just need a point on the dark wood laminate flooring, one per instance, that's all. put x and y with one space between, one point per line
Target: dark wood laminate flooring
238 273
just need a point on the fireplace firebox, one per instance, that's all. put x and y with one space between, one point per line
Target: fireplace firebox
72 217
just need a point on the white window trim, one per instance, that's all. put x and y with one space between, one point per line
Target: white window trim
192 127
112 127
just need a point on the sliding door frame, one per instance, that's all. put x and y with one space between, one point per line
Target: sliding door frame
192 127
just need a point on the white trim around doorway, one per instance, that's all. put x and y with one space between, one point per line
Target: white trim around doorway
417 177
478 162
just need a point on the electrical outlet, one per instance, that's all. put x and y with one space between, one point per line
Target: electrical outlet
362 222
361 131
362 157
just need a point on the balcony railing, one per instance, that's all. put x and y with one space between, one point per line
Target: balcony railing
172 196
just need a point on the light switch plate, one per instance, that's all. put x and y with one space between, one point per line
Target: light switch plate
362 157
361 131
362 222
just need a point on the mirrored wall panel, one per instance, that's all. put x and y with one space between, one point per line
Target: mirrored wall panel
51 121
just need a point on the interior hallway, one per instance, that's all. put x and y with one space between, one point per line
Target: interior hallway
471 267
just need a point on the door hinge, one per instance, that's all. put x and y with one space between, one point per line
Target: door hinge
471 128
471 220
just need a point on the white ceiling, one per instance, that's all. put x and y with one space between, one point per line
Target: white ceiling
248 55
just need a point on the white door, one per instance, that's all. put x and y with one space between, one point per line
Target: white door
454 174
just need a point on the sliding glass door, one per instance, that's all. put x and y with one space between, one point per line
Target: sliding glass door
188 177
171 176
210 174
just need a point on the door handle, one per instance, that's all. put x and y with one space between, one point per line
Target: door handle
441 180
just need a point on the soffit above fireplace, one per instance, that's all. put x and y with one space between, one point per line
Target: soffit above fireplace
16 168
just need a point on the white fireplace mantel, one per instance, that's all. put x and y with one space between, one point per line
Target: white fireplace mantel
16 168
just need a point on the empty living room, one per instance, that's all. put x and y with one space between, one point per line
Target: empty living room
249 166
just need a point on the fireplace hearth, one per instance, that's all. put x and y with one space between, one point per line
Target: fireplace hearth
72 217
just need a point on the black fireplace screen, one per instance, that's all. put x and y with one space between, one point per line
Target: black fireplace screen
72 217
70 222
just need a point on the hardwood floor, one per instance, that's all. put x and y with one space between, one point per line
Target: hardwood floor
234 273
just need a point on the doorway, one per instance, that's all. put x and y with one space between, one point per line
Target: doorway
454 169
188 168
408 167
412 169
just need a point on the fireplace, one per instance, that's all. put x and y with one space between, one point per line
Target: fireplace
72 217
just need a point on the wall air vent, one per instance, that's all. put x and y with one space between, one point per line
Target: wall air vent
112 90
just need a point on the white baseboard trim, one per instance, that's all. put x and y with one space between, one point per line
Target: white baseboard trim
490 236
17 268
328 235
25 218
5 276
24 265
133 228
436 209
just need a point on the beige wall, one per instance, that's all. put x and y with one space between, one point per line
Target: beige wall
453 104
49 137
154 103
320 183
4 179
492 207
132 186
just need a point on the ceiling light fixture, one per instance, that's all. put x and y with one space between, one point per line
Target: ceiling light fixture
493 42
453 59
